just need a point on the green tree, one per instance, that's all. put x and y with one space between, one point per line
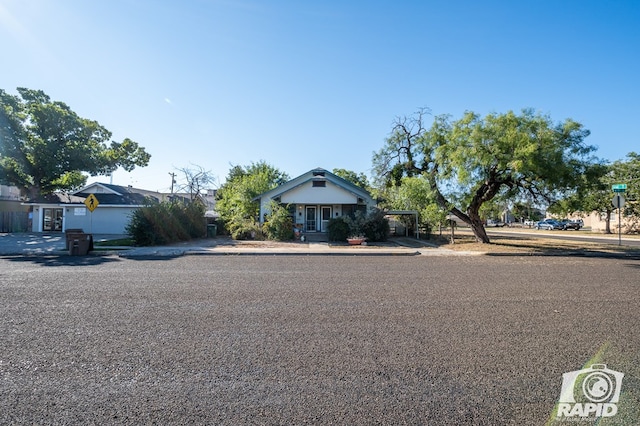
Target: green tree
469 162
629 172
414 193
279 224
45 146
596 194
358 179
235 198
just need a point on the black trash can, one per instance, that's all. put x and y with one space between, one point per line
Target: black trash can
80 244
69 234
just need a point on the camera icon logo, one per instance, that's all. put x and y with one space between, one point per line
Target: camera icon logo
592 391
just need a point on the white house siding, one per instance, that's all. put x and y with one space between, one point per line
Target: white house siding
103 220
306 194
329 194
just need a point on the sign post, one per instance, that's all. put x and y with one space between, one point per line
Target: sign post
618 203
92 203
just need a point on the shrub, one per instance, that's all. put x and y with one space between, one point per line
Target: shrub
338 229
356 223
376 226
166 222
245 230
278 225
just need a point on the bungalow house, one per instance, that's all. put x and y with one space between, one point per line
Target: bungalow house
59 211
315 197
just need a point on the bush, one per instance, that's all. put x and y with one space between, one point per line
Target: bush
278 225
376 226
338 229
245 230
166 222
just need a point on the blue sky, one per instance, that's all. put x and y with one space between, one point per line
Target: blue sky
302 84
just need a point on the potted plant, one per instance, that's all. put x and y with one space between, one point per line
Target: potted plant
356 240
356 231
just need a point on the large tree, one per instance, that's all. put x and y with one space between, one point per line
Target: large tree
597 194
235 198
471 161
45 146
358 179
196 179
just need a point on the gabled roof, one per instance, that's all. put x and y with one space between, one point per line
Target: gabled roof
56 198
315 174
107 194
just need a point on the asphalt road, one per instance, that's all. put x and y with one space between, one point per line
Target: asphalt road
231 340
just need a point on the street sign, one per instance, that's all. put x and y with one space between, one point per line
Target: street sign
619 187
618 201
91 202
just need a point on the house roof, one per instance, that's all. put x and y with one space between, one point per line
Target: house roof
315 174
107 194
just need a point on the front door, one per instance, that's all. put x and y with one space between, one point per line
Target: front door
311 219
51 219
325 211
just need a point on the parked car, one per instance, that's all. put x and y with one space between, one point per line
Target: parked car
548 224
529 222
571 224
492 222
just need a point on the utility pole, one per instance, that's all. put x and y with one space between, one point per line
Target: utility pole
173 180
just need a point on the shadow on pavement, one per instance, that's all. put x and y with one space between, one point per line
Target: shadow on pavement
62 260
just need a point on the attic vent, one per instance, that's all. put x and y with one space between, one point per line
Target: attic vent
319 183
318 173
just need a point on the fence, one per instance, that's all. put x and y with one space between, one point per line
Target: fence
14 221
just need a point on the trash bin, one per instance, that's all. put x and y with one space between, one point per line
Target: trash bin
69 235
212 230
80 244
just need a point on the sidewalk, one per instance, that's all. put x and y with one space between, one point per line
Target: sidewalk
37 244
227 247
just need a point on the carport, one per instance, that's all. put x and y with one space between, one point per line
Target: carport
413 213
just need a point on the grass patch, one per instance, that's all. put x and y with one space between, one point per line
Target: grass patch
504 244
126 242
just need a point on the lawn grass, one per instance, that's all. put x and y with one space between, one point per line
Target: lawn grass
121 242
507 244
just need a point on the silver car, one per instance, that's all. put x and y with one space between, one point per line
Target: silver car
548 224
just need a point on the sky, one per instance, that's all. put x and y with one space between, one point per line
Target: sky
302 84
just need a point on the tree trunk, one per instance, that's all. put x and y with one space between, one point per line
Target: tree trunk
34 192
607 229
478 227
480 233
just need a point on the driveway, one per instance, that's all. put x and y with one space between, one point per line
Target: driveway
38 243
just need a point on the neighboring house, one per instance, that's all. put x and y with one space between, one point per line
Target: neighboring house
9 193
598 222
315 197
209 200
14 216
58 212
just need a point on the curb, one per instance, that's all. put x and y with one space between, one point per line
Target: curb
176 252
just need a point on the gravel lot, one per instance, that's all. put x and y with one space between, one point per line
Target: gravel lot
310 340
